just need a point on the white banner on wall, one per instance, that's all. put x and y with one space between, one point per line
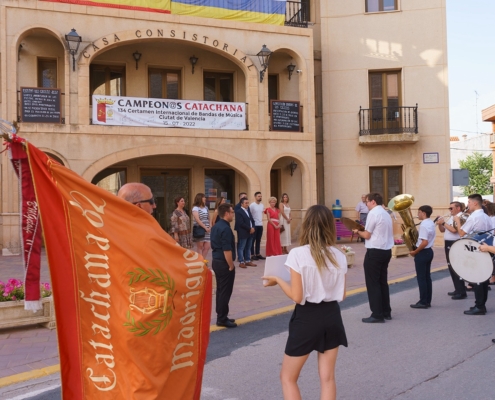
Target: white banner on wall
195 114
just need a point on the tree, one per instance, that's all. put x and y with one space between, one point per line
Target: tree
480 169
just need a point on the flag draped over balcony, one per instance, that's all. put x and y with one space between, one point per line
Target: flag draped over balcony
132 306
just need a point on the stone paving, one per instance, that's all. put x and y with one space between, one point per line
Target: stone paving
34 347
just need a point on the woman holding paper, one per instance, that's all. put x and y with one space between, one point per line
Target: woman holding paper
317 270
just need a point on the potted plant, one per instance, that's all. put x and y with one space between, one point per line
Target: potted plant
399 249
12 311
349 254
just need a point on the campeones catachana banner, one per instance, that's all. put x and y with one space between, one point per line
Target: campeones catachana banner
261 11
132 306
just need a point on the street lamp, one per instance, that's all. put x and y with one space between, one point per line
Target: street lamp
73 41
264 57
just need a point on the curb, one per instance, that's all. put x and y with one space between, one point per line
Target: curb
39 373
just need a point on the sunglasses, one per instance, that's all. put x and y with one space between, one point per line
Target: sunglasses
150 201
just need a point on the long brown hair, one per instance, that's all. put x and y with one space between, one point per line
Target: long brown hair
219 201
318 230
198 200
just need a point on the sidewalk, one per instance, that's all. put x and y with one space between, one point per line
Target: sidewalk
33 349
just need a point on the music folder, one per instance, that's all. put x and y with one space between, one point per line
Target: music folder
275 266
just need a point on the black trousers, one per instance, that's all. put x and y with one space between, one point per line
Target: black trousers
422 262
481 295
459 286
376 274
225 285
256 245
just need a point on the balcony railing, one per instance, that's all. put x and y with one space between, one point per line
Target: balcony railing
385 120
297 13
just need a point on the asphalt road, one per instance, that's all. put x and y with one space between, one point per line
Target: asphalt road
437 353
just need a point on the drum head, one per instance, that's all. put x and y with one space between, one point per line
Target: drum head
469 263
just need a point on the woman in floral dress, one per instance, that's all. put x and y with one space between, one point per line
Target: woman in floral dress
181 224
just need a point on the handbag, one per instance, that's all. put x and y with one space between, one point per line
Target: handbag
198 232
282 229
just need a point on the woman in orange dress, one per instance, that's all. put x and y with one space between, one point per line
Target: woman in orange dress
273 247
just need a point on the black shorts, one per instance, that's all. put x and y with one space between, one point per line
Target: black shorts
315 327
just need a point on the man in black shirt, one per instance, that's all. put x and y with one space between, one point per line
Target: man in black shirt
223 252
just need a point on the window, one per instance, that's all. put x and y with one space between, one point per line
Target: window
47 73
272 89
107 80
385 99
218 86
381 5
387 181
219 183
164 84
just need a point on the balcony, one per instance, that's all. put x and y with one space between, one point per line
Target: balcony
388 125
297 13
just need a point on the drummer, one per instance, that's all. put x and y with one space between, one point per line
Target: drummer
491 249
450 235
478 221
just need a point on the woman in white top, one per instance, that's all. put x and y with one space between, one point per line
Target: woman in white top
317 271
201 219
285 218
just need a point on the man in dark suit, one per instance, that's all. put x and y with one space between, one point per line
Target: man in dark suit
244 225
242 196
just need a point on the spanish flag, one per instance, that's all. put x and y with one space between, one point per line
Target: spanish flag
132 306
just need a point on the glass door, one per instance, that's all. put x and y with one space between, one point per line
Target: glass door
166 185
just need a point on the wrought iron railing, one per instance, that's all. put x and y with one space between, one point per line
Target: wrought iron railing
383 120
297 13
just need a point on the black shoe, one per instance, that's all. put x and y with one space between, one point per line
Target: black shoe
254 258
231 319
388 317
419 305
428 305
452 293
475 311
459 296
260 257
373 320
227 324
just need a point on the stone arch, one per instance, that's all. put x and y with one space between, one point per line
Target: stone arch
241 167
307 188
116 39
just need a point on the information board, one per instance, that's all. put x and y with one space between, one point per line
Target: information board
285 116
40 105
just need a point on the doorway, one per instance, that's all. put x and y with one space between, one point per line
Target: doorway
166 185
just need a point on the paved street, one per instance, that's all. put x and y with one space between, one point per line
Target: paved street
437 353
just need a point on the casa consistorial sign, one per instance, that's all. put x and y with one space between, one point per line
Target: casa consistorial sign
165 113
178 34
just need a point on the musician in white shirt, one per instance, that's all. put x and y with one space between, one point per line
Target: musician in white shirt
423 256
478 221
450 235
379 237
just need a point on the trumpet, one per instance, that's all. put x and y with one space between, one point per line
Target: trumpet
463 217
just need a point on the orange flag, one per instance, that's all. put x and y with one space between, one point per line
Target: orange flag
132 307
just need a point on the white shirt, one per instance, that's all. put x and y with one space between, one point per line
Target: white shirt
379 224
428 232
493 221
327 285
257 213
449 235
362 208
478 221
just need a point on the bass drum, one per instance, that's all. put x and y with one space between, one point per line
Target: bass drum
469 262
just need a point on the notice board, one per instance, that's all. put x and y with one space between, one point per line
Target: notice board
286 116
40 105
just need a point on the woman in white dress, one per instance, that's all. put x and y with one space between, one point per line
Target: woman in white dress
285 218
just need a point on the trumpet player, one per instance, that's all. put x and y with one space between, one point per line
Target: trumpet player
450 235
478 221
423 256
